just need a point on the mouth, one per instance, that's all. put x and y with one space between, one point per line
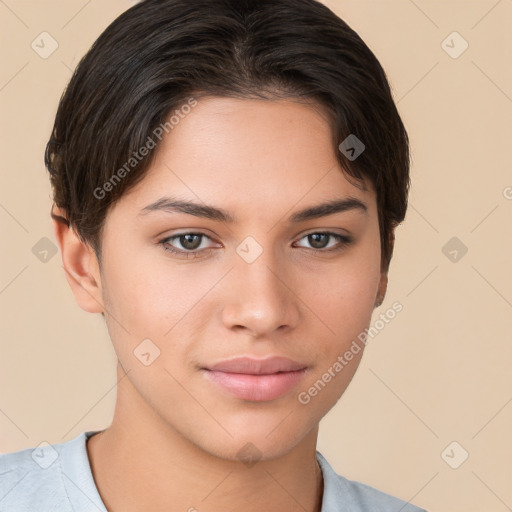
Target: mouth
256 380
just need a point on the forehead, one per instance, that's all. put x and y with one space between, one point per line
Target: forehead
250 154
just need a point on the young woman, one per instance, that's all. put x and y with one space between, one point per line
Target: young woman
227 178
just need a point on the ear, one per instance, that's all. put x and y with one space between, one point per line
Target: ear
383 285
383 282
80 264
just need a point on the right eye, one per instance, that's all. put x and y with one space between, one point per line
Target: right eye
190 243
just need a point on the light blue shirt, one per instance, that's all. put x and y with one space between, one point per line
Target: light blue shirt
58 478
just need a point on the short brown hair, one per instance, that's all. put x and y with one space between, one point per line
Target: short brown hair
159 53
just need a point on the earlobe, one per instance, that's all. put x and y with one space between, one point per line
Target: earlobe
80 264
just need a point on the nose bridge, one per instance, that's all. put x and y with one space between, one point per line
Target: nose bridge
260 301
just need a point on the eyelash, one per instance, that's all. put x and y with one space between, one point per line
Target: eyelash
342 239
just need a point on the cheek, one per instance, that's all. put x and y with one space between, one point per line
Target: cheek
135 302
343 311
163 303
146 297
343 298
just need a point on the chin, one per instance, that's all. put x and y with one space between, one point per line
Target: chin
254 440
249 449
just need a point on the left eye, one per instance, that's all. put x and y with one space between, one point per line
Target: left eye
318 239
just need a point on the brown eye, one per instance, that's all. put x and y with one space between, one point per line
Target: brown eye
318 240
188 244
190 241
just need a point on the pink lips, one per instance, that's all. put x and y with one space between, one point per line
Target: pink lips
257 380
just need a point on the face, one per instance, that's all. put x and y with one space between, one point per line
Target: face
253 279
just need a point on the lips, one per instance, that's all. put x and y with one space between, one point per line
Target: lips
256 380
250 366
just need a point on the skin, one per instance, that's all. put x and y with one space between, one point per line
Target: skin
174 437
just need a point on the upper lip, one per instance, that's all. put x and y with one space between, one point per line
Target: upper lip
251 366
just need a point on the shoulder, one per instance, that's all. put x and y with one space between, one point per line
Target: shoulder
29 482
343 495
41 478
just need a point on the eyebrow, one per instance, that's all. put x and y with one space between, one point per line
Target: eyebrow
173 205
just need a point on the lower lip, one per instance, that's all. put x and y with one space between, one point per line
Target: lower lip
256 388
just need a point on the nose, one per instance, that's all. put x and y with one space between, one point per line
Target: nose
261 298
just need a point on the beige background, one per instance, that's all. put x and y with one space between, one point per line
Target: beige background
439 372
